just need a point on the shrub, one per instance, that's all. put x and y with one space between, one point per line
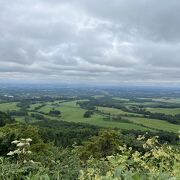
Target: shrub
157 162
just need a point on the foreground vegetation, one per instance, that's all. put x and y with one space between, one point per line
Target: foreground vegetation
61 150
101 157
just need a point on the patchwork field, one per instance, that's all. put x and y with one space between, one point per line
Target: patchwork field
73 113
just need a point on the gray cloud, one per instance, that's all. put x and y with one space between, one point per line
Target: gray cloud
90 41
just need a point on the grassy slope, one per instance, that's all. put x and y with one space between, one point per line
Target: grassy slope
170 111
152 123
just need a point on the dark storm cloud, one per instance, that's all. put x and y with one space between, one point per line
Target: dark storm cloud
94 41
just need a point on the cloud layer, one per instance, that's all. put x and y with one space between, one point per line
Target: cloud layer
90 41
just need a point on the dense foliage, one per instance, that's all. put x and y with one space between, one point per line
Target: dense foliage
65 134
156 162
5 119
27 153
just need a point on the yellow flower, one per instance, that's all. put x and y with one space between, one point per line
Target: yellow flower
147 154
145 146
140 137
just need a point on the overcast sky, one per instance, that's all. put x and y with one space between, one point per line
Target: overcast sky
94 41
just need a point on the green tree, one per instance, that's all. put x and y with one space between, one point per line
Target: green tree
106 143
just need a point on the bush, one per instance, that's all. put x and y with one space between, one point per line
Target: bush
5 119
157 162
88 114
106 143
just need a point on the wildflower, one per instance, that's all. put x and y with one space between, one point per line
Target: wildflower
169 147
145 146
136 156
109 174
146 167
147 154
151 142
97 177
90 171
28 139
34 162
159 153
109 157
29 152
122 148
140 137
11 153
17 151
20 144
27 144
15 142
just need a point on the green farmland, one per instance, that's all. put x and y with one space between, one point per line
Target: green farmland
70 111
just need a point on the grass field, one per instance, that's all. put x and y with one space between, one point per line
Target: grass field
120 99
169 111
33 106
46 108
72 113
157 124
8 106
143 103
22 119
115 111
98 96
168 100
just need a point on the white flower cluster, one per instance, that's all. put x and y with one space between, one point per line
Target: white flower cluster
22 145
